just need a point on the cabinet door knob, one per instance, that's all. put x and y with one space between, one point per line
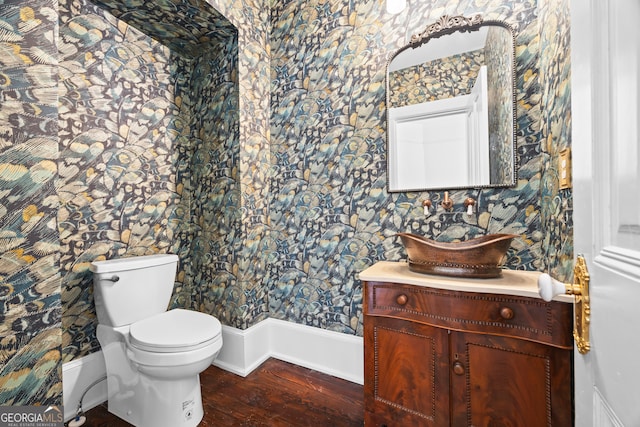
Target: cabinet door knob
402 299
506 313
458 368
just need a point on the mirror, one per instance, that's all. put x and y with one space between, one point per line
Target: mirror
451 107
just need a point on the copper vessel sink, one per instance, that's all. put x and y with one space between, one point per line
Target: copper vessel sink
481 257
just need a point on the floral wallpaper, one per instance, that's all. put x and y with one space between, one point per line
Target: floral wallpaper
120 126
556 204
134 122
208 165
187 27
330 214
267 176
438 79
216 215
30 309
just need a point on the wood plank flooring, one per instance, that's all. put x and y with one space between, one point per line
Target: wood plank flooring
277 394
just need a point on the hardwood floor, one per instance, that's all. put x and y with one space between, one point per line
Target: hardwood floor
277 394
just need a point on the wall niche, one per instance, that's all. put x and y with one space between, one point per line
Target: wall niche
149 148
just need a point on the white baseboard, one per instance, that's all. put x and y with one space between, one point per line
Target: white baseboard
332 353
244 350
329 352
77 376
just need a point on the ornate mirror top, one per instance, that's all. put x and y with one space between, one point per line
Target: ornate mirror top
446 25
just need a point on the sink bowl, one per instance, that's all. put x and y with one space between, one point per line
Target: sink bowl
481 257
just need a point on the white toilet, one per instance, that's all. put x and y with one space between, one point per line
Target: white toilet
153 356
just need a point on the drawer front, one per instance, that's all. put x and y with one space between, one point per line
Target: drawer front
528 318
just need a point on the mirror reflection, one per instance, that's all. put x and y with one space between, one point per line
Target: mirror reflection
451 107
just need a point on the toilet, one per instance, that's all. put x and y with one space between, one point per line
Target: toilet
153 356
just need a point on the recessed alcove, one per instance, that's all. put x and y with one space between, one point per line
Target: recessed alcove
149 138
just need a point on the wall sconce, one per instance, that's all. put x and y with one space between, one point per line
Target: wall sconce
396 6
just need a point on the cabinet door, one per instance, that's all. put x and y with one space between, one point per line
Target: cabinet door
406 374
499 381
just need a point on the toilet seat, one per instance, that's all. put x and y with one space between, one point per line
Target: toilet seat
175 331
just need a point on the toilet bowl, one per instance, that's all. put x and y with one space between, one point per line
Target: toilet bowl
153 357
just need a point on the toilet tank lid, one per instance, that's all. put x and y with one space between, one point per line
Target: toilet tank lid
132 263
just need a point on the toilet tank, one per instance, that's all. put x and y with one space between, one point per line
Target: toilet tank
130 289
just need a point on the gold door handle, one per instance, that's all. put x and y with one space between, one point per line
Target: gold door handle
549 287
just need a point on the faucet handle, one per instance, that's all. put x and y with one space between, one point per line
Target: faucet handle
469 203
426 205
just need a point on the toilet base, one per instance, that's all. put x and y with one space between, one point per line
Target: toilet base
152 396
158 403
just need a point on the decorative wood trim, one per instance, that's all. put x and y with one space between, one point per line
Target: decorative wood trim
547 379
375 370
472 297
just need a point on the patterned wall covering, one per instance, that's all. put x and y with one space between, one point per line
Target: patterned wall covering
331 216
30 339
311 209
187 27
438 79
247 299
216 215
556 204
146 156
224 273
120 125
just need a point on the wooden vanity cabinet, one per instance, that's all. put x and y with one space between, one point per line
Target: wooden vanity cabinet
439 358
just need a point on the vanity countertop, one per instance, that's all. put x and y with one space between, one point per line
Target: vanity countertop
511 282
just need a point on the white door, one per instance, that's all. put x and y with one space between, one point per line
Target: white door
605 61
478 134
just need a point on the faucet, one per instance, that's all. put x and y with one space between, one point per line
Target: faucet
446 203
